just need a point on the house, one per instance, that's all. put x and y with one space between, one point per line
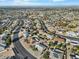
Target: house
76 56
60 40
68 40
49 36
40 47
72 41
36 38
71 34
59 32
5 34
2 44
56 54
26 34
77 33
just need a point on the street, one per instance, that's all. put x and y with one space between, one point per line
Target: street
21 50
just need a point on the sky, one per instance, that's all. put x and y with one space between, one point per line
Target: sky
39 2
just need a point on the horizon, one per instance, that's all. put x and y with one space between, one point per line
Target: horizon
39 3
73 6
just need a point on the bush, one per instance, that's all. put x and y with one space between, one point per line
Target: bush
33 48
51 44
46 55
1 31
8 41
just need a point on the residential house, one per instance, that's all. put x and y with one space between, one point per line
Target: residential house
76 56
5 34
68 40
40 47
77 34
59 32
56 54
72 41
71 34
26 34
35 38
60 40
2 43
50 36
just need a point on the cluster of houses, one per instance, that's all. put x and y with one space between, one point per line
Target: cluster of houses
73 39
58 51
2 40
74 48
41 42
69 33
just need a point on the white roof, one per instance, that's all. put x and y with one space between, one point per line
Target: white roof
50 36
40 45
35 36
1 48
73 42
70 33
77 56
0 38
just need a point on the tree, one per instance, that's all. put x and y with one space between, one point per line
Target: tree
60 45
56 42
1 31
46 55
72 25
51 44
78 50
4 28
8 41
68 44
33 48
78 47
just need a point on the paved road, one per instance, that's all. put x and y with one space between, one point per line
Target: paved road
19 48
6 24
68 37
46 30
43 26
22 51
